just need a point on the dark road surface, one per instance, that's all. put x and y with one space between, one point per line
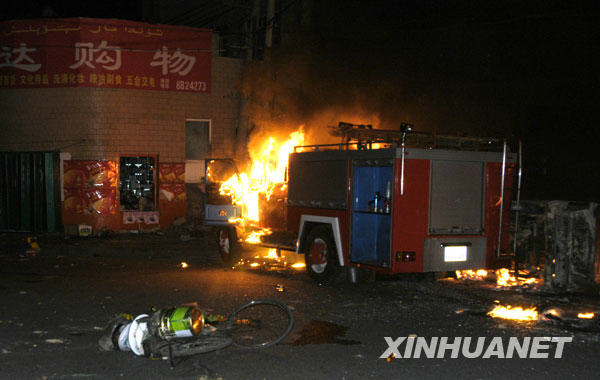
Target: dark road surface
54 305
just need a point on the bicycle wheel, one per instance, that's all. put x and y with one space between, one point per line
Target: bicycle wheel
191 346
260 324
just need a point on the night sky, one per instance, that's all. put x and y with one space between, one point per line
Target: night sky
517 68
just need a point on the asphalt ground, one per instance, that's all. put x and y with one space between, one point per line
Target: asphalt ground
56 302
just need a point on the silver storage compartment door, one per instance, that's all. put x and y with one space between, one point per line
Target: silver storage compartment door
456 197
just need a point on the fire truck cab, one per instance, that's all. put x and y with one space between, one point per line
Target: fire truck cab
420 203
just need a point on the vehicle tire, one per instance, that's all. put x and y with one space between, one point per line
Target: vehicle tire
260 324
228 244
321 255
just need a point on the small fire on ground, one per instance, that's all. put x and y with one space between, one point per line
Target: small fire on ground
254 237
588 315
515 313
271 261
504 277
519 313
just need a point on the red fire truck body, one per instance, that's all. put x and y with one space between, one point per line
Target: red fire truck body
401 209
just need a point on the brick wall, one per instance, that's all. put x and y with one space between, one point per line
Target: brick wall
101 124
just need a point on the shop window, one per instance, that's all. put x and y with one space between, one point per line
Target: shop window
137 183
197 139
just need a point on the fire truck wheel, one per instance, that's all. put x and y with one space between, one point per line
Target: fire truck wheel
228 244
321 255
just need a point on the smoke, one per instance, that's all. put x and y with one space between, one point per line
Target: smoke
303 87
320 77
477 70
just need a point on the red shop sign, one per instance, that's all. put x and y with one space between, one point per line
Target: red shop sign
112 53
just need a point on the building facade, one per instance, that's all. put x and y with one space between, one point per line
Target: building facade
78 150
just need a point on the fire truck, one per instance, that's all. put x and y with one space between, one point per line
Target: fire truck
398 202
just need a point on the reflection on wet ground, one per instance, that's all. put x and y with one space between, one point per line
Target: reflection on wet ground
322 332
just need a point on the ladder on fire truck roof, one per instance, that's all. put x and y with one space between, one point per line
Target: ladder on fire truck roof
365 137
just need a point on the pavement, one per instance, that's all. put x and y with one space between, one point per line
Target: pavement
55 303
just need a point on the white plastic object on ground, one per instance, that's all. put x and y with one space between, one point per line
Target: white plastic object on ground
137 332
124 338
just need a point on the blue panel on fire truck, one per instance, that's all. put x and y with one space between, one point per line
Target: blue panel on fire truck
370 222
369 183
371 239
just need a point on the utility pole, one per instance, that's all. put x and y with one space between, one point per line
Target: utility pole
270 22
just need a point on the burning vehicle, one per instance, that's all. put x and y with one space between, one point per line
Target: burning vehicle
392 201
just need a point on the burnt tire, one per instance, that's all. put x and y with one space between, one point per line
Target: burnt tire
228 245
321 255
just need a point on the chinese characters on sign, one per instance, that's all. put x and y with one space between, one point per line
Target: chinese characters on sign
84 55
173 63
104 53
18 58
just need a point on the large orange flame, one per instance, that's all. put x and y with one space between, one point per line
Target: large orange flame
267 171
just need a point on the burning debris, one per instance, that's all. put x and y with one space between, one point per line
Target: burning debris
522 279
515 313
254 237
270 260
478 275
588 315
504 277
568 319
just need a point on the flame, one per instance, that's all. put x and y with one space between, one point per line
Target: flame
266 172
554 312
272 254
588 315
183 265
254 237
479 274
504 278
271 260
514 313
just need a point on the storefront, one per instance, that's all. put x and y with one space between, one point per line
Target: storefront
128 110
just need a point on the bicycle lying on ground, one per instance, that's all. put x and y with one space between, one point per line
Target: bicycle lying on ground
180 332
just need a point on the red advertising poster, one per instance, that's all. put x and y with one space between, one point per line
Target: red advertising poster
172 192
111 53
90 174
90 187
102 201
172 173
